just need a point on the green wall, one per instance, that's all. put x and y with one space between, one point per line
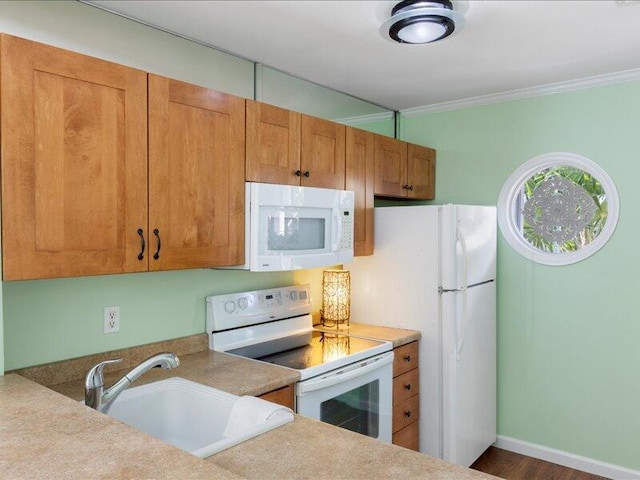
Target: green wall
568 356
49 320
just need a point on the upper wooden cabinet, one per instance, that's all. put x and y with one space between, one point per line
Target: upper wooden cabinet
196 176
390 167
80 196
290 148
273 144
421 172
322 153
359 178
74 163
404 170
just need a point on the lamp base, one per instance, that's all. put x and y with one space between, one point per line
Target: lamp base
334 323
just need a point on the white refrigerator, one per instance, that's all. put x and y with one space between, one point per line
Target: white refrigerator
434 270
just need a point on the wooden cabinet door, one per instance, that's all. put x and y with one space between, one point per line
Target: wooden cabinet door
196 176
322 153
284 396
359 178
421 172
273 144
390 167
74 163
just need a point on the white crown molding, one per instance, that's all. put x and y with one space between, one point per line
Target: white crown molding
374 117
566 459
549 89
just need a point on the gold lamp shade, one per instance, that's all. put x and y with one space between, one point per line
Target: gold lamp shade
336 297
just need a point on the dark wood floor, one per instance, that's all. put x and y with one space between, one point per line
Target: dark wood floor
513 466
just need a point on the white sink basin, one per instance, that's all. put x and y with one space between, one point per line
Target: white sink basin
199 419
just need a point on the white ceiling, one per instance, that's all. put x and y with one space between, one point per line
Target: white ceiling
505 45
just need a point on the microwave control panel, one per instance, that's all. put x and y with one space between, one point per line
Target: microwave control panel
347 230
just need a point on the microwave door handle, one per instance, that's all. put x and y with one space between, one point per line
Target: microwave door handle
324 382
337 229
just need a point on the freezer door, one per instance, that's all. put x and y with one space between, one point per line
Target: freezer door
468 245
469 373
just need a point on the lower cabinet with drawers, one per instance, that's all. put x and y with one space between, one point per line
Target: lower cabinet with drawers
406 396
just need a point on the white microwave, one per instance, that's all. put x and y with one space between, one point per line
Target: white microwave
291 228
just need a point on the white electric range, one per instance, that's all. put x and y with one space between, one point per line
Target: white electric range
344 380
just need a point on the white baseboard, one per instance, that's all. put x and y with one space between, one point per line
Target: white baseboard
566 459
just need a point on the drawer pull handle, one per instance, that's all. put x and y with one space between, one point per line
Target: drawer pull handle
407 386
407 413
407 358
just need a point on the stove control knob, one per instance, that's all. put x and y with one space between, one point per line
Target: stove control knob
229 306
243 303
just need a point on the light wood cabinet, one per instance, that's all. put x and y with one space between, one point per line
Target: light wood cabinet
282 396
106 169
196 176
421 172
87 189
359 178
273 144
290 148
404 170
322 153
74 163
406 396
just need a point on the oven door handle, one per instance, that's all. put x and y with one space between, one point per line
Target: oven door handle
347 373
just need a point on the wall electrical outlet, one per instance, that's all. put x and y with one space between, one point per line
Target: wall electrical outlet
111 319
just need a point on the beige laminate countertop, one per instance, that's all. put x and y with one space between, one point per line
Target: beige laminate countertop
47 435
232 374
309 449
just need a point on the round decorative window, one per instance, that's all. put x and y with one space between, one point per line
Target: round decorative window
558 208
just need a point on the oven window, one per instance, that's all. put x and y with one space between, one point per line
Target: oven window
356 410
292 233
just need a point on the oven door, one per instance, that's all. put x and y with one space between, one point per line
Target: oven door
357 397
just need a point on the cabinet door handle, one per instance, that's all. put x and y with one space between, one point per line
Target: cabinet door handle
156 255
407 413
405 186
409 187
407 358
298 173
407 386
141 254
307 173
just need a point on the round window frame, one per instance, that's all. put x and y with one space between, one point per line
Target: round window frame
513 186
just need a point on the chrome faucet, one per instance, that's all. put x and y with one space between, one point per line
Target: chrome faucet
96 396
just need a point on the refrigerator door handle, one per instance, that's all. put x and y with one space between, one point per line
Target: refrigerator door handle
463 247
461 327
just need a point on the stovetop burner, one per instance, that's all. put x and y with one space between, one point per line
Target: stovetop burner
323 347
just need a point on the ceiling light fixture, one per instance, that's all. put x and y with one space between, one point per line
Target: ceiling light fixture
419 21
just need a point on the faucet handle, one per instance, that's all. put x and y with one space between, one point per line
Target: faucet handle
94 377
